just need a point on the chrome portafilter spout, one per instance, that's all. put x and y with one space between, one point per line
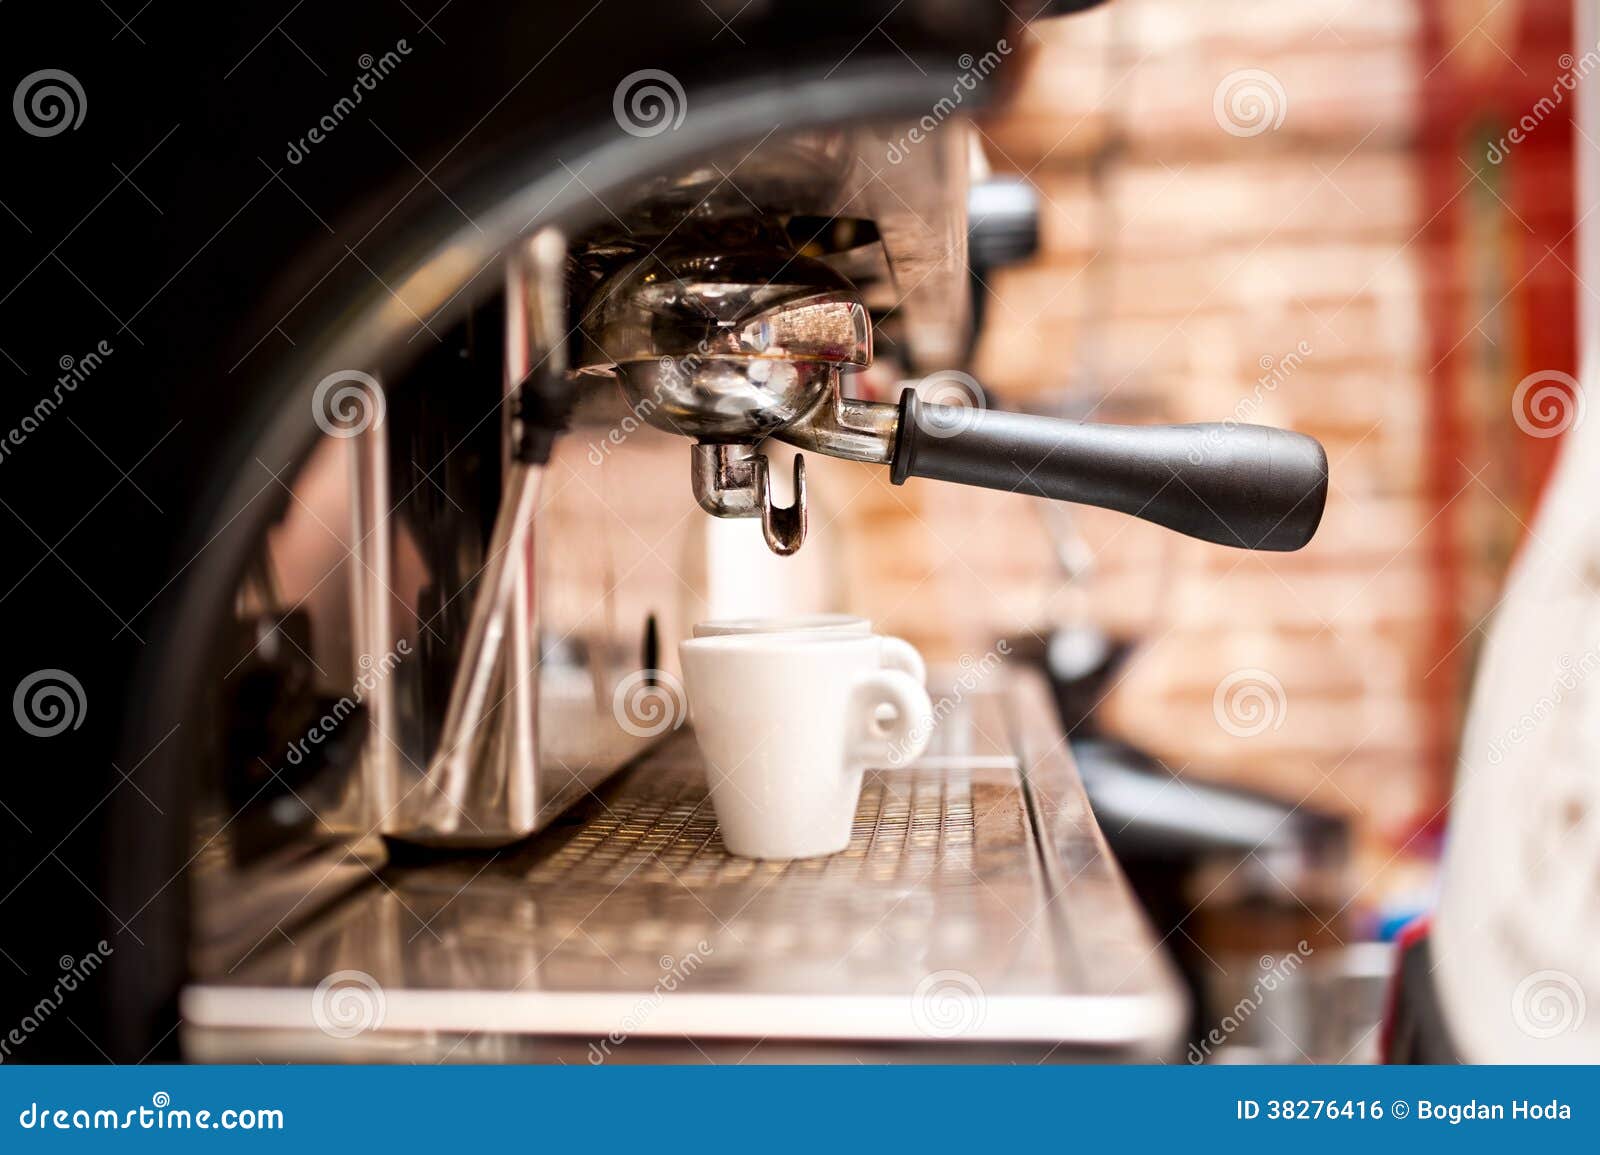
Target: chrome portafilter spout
728 349
730 480
733 349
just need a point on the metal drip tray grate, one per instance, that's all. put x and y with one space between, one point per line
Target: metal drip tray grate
975 904
646 876
666 834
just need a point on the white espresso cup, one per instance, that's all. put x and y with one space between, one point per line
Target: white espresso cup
896 653
788 722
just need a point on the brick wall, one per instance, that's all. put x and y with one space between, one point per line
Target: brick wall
1189 273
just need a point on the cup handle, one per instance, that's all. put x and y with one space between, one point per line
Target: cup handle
893 741
899 654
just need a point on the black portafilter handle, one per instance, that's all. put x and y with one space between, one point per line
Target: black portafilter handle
1247 486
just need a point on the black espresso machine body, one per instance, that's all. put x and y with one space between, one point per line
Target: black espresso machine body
240 185
326 298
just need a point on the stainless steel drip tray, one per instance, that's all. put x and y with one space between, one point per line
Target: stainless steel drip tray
976 912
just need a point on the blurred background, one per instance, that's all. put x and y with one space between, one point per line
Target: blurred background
1336 238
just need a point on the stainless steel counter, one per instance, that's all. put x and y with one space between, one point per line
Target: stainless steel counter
976 916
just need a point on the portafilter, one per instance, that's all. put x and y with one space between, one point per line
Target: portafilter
732 348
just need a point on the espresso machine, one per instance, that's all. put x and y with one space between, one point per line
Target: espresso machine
438 792
512 656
